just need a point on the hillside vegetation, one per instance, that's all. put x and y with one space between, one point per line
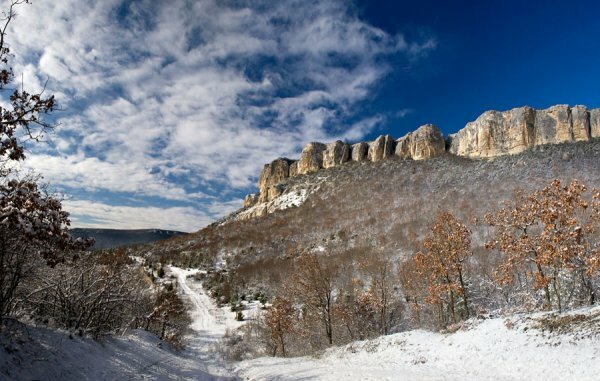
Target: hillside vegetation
356 237
385 205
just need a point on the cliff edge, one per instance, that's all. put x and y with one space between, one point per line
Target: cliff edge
493 134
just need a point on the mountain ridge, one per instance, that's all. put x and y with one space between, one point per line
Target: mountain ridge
493 134
112 238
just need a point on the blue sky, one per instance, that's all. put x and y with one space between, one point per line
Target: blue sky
492 55
170 109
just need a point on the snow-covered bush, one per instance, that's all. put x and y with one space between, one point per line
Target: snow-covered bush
89 297
33 226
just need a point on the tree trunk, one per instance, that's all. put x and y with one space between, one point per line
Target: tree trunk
556 286
452 302
546 288
164 327
464 292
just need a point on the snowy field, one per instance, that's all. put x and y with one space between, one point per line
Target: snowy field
493 349
489 351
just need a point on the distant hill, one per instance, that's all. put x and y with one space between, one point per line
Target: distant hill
111 238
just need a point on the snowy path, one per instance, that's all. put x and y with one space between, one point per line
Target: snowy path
207 319
34 353
209 324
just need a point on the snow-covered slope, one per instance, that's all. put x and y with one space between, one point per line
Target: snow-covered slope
523 347
287 200
41 354
494 349
28 353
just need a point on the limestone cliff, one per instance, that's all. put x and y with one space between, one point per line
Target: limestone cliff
382 148
271 175
424 143
359 151
336 153
311 158
595 123
504 133
492 134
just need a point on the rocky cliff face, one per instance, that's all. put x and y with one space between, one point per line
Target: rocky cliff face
424 143
359 151
335 154
504 133
271 175
311 159
595 123
493 134
382 148
496 133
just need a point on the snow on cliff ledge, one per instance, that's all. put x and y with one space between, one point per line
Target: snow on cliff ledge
287 200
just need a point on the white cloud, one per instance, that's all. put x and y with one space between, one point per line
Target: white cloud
93 174
92 214
161 98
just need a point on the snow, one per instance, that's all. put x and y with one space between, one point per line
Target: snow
503 348
285 201
43 354
489 351
209 322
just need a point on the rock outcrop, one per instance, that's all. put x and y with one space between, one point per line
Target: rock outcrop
250 200
510 132
595 123
271 175
424 143
496 133
335 154
381 148
359 151
311 158
560 124
580 119
492 134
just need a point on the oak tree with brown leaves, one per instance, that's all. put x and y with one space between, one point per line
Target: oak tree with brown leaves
548 242
441 268
280 321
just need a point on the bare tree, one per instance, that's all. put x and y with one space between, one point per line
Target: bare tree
87 296
380 270
313 285
168 318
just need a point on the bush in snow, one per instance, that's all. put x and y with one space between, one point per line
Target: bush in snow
33 226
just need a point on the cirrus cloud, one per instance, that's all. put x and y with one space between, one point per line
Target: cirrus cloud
183 102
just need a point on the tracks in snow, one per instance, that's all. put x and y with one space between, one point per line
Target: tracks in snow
208 326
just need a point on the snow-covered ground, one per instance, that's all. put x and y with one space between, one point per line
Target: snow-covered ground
489 351
41 354
493 349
